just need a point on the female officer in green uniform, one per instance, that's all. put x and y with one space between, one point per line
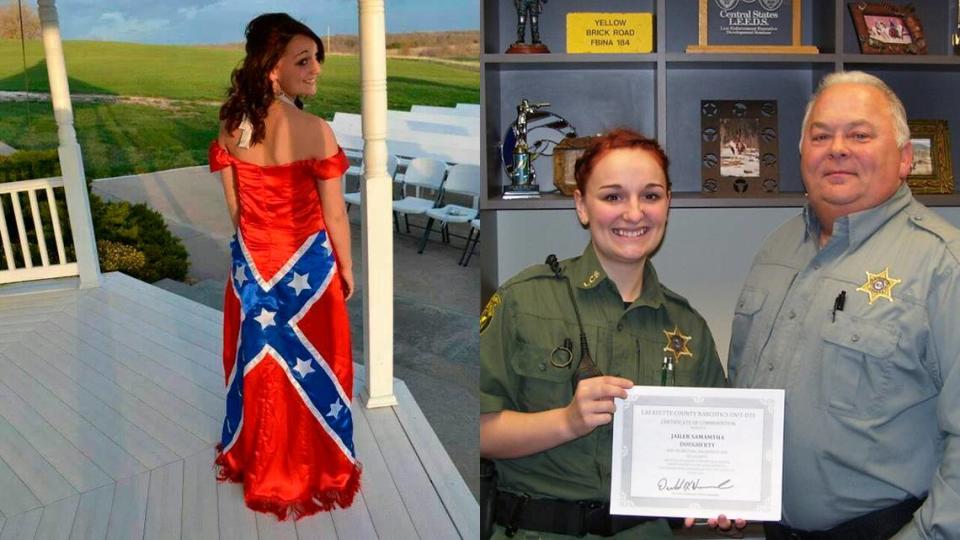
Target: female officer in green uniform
551 443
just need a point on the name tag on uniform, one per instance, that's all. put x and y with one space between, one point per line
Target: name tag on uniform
698 452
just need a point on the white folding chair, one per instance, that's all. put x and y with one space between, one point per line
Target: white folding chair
423 175
469 248
462 179
353 197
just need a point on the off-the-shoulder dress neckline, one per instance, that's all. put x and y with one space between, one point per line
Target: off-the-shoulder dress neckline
279 165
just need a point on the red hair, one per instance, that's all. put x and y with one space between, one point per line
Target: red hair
614 140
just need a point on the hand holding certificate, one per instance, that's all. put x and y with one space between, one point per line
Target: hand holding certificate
698 452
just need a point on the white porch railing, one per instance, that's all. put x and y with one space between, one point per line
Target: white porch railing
24 267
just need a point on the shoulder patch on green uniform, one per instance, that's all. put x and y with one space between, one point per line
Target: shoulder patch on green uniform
489 311
538 271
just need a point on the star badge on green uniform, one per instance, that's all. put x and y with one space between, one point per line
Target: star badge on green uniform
488 311
879 285
677 343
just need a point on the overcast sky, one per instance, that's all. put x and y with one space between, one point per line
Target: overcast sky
223 21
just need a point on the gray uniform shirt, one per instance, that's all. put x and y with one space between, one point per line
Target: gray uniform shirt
872 390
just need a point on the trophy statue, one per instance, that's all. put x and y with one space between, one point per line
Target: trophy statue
518 153
528 10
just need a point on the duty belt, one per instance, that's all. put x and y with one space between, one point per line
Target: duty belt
878 525
573 518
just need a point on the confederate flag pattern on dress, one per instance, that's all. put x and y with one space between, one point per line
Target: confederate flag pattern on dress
288 431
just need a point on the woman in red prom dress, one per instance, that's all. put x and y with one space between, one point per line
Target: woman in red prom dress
288 431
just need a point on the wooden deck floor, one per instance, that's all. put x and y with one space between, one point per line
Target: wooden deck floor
111 401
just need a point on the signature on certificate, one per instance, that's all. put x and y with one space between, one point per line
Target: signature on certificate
690 484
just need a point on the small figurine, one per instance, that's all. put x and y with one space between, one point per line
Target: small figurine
524 110
528 10
523 177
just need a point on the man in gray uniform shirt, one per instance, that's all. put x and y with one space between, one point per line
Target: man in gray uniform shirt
853 307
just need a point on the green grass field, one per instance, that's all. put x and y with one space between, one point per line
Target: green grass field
117 139
203 73
121 138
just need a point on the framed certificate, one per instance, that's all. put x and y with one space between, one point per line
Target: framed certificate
698 452
750 26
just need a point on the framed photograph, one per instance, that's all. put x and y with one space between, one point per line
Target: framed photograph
932 167
739 142
750 26
887 28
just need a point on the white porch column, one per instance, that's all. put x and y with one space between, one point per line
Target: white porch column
377 209
71 162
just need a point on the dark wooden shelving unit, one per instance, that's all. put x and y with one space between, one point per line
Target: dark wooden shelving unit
659 92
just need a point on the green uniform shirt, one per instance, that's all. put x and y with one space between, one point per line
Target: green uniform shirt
532 314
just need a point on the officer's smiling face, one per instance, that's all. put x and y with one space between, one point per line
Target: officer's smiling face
625 206
849 155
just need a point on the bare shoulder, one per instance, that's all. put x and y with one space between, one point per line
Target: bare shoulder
321 134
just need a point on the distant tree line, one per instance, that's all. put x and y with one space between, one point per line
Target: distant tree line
435 44
452 44
10 20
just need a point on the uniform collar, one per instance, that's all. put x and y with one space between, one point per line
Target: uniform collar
585 272
858 226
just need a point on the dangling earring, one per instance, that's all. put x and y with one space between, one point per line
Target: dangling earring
279 94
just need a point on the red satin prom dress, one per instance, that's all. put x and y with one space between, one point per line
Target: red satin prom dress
288 431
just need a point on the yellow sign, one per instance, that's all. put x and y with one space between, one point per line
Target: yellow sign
609 32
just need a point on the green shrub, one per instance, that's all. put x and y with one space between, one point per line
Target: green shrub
29 164
115 257
138 226
130 238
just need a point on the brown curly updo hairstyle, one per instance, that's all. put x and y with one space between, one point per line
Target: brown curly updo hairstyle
251 91
614 140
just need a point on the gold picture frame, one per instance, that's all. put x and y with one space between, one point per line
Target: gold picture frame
932 167
705 19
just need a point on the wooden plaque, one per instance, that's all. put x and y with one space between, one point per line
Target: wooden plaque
746 27
739 144
565 156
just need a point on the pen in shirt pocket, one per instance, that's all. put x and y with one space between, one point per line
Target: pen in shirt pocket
838 304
